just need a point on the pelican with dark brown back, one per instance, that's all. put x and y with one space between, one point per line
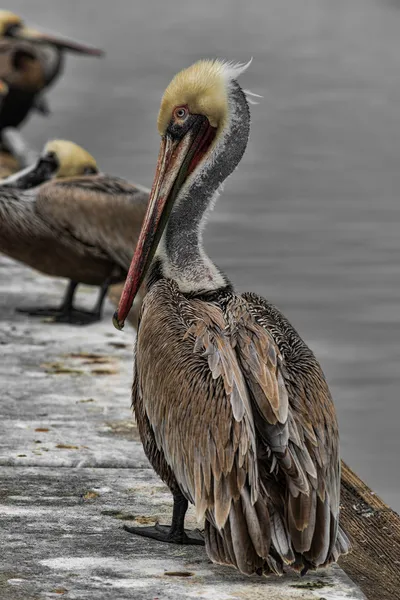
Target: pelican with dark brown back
34 60
233 408
83 225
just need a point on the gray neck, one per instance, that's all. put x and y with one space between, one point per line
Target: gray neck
181 249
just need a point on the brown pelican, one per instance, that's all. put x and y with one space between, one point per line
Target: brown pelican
233 409
83 225
35 65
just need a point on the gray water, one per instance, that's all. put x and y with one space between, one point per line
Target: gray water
311 218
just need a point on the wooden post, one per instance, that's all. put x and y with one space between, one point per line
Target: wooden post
374 529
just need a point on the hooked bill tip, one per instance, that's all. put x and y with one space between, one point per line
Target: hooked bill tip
97 52
116 322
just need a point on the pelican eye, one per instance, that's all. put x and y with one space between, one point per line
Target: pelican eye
11 29
90 171
50 158
181 113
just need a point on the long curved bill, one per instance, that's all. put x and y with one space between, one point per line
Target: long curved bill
41 171
32 35
176 160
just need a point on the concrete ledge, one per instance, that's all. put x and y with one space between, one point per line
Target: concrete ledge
73 471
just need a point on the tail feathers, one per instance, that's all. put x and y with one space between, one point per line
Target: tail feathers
328 540
247 559
342 545
244 541
314 532
343 542
273 565
301 520
280 538
257 538
321 542
258 524
216 548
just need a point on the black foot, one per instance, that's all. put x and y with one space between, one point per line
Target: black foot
163 533
58 315
76 317
37 311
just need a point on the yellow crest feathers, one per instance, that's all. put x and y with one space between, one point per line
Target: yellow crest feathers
203 87
8 18
72 158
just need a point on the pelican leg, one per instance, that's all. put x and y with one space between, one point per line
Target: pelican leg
75 316
51 311
174 533
100 300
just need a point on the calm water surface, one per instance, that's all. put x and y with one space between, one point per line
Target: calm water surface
311 218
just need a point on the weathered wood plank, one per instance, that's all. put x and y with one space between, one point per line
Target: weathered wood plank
374 528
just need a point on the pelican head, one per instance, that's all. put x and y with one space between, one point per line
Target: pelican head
12 26
9 22
60 159
204 125
69 159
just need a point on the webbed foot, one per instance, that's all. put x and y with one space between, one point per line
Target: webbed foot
77 317
165 533
40 311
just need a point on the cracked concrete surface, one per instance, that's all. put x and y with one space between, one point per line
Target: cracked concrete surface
73 471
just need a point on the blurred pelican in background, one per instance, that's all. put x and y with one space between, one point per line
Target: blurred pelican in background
83 225
34 60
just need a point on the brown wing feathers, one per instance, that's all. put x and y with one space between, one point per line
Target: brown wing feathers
250 351
312 515
214 455
261 361
227 461
309 524
98 215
